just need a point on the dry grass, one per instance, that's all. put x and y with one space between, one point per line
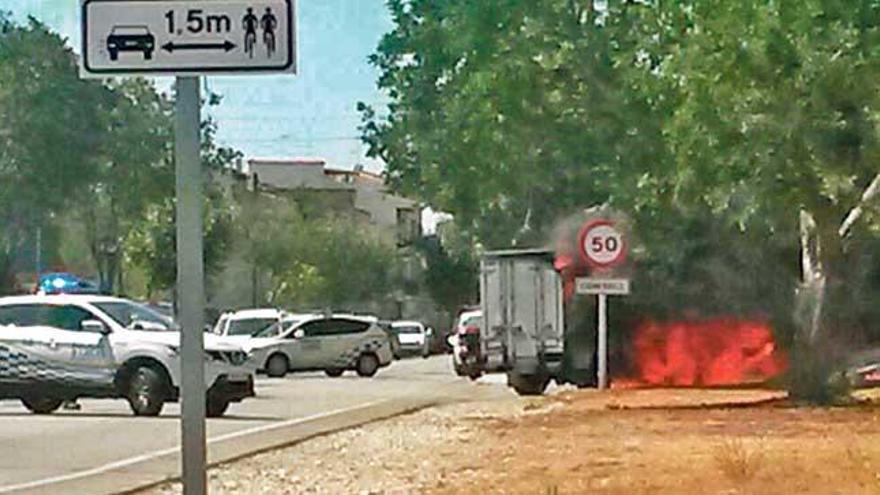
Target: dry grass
739 461
862 464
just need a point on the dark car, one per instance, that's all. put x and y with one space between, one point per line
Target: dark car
130 39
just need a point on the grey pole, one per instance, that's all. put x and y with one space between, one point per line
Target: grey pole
190 283
603 342
39 261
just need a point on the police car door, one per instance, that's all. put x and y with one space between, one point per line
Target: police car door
87 351
29 351
348 341
311 343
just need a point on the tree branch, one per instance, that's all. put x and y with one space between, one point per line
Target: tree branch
853 216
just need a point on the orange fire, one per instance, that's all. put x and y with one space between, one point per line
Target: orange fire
717 352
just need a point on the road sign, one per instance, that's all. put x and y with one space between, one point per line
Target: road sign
602 287
610 286
601 244
179 37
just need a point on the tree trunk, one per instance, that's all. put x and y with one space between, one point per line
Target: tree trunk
813 355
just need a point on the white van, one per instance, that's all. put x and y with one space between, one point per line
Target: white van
414 338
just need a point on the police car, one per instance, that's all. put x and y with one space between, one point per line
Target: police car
313 342
56 348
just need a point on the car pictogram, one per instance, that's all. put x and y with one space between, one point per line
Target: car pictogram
130 39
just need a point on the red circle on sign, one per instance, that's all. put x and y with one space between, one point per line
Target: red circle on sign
617 253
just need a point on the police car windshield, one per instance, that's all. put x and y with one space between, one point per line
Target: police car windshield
129 315
249 326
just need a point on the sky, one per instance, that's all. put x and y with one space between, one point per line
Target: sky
310 114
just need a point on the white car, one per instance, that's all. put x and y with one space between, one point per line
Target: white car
313 342
414 338
63 347
247 321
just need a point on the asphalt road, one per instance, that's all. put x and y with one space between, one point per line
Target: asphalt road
102 448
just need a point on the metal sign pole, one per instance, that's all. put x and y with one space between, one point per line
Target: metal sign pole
602 364
190 283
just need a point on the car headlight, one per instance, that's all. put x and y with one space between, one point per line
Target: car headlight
238 358
235 358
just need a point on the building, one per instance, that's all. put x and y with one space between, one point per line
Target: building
356 193
318 191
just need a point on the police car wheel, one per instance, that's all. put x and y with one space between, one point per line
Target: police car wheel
367 365
277 366
146 392
41 405
334 372
216 407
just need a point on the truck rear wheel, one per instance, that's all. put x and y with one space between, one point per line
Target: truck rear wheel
528 384
41 405
216 407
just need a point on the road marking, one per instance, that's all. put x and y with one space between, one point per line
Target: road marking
172 450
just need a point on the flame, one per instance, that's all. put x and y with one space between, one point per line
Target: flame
717 352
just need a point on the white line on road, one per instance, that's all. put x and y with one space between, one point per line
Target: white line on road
160 453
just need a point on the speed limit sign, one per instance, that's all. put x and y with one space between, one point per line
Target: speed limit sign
601 244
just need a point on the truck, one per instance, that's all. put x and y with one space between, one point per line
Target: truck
523 330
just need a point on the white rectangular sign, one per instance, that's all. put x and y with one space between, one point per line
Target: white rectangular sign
610 286
179 37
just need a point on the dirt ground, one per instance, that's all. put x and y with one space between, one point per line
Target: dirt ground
617 442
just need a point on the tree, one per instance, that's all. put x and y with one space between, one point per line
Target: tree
51 130
152 242
135 172
510 114
780 97
318 263
451 275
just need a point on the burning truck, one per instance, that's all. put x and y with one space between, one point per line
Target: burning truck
536 329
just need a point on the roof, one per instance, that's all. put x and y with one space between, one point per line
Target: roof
287 161
504 253
255 313
470 314
361 173
407 324
59 299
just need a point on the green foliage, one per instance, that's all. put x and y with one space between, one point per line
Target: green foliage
153 242
451 276
318 263
51 129
134 171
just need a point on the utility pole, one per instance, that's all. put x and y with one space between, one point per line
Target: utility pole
254 204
